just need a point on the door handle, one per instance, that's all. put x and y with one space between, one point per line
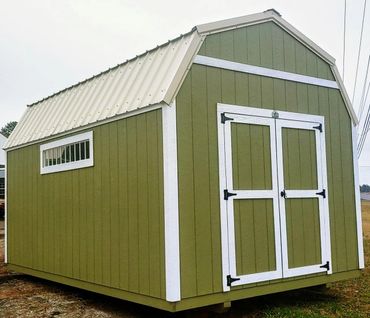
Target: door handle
283 194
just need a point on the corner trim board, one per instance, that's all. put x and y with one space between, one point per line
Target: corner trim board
171 208
263 71
360 244
6 211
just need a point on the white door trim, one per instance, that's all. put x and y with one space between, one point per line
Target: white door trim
171 208
266 117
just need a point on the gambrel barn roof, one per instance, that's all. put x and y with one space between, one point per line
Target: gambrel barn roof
152 78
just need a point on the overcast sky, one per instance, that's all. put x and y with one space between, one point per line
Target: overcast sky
46 46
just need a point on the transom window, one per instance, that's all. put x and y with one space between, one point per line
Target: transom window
66 154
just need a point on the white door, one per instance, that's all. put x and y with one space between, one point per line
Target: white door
267 202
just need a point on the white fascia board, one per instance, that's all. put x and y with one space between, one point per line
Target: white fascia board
234 23
86 127
171 207
344 94
193 47
263 71
360 244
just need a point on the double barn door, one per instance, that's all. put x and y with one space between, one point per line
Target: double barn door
274 210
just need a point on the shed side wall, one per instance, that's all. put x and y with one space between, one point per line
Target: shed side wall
102 224
204 87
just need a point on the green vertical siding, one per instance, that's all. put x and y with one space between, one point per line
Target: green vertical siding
251 157
266 45
303 232
203 88
299 159
103 224
254 227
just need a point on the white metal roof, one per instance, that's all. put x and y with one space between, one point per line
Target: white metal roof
143 81
151 78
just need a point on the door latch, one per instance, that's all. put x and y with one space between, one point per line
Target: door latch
283 194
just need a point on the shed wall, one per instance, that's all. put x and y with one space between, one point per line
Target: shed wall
102 224
199 212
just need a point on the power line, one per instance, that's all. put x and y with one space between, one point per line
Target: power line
364 132
359 49
344 35
362 105
362 101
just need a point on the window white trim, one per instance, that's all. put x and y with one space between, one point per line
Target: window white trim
263 71
171 209
360 244
70 165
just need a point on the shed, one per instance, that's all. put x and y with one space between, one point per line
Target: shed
218 166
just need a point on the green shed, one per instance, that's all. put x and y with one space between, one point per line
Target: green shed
218 166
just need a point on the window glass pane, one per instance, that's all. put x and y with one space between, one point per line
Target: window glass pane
77 152
82 147
87 149
52 157
63 154
58 155
72 153
45 155
68 157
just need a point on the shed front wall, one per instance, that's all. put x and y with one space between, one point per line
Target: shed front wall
269 46
103 224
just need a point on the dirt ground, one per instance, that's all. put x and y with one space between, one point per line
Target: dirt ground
25 296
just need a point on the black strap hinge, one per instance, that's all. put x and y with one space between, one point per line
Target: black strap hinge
319 127
224 118
326 265
322 193
228 194
230 280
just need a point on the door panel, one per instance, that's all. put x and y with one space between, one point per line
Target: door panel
304 218
251 156
299 152
252 208
303 232
254 236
